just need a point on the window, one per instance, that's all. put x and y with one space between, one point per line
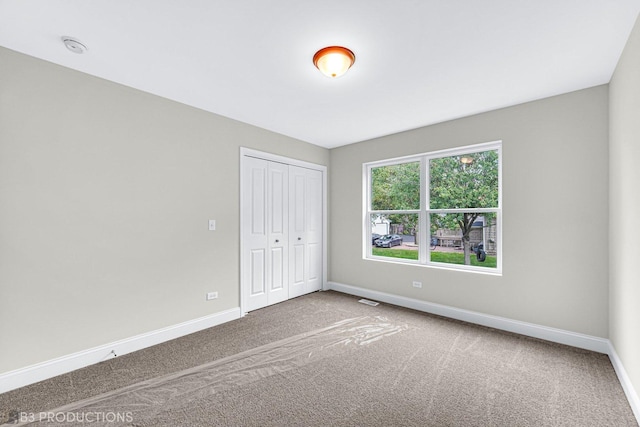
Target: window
454 194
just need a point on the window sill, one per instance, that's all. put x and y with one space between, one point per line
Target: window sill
438 266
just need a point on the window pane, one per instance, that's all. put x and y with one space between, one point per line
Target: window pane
396 187
394 236
465 181
464 238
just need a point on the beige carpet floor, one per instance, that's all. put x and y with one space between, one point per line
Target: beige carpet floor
326 360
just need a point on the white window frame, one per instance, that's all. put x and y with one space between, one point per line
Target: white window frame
424 211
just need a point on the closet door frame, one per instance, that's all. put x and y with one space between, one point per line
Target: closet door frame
248 152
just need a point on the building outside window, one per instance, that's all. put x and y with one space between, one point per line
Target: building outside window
455 195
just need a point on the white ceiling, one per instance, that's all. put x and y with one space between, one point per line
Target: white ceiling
417 62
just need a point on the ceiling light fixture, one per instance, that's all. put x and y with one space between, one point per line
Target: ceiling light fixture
334 61
467 160
74 45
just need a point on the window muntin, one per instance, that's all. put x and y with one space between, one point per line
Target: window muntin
455 194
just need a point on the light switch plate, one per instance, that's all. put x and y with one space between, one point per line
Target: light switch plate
212 225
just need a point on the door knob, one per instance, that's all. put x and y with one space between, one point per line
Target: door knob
299 238
277 240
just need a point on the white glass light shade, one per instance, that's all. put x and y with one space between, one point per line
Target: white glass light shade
334 61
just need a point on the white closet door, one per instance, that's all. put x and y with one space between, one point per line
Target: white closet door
305 231
265 232
314 230
278 229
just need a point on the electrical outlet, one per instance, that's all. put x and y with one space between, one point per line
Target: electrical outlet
212 295
417 284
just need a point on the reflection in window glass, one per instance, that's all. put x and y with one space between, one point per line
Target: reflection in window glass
464 181
395 235
464 238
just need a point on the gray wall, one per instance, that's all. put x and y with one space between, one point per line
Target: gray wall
105 193
625 208
555 214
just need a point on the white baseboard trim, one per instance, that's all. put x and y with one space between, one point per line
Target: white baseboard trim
573 339
627 386
600 345
61 365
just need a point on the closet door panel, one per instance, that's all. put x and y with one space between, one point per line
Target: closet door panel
305 236
257 274
265 219
297 230
313 213
255 237
278 220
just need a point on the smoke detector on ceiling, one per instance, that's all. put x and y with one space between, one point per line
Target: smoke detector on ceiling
73 44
